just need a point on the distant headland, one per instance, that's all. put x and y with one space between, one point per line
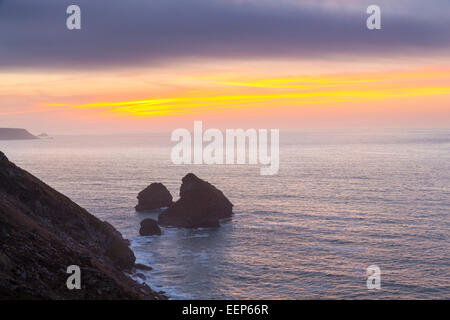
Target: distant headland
16 134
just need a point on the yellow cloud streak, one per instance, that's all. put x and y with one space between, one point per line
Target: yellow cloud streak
194 104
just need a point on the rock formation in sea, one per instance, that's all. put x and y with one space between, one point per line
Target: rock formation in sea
15 134
149 227
200 205
44 136
155 196
42 233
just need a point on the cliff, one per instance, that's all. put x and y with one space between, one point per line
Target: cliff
15 134
42 232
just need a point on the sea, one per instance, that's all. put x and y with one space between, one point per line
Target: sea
342 202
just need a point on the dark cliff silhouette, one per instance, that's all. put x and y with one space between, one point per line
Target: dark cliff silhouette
42 232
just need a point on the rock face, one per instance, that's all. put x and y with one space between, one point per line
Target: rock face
42 232
153 197
15 134
3 157
200 205
149 227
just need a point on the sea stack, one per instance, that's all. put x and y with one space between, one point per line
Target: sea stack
153 197
200 205
149 227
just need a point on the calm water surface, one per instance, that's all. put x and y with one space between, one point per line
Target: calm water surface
341 202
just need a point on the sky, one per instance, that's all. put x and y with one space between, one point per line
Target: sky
140 66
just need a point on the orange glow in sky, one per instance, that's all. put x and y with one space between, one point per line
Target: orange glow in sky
280 90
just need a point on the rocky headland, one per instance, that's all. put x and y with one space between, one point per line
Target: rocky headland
42 232
16 134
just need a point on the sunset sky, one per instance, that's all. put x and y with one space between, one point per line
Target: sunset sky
160 64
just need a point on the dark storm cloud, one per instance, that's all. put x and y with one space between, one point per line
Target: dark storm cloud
115 32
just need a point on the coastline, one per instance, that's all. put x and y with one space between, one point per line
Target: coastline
104 176
11 134
44 235
150 280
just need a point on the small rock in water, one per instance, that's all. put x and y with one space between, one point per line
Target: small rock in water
149 227
142 267
140 276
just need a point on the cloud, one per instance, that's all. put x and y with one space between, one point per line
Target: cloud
33 33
